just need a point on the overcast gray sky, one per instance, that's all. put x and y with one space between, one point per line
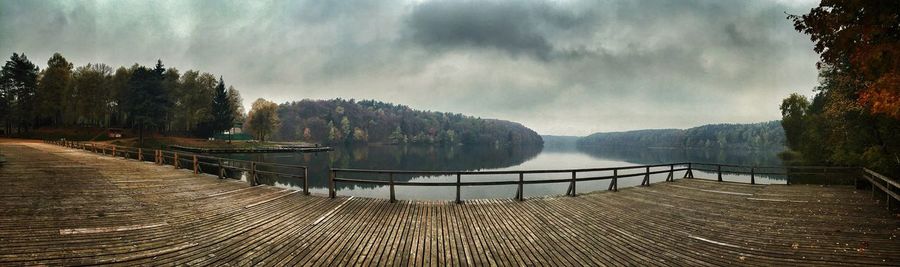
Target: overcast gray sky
566 67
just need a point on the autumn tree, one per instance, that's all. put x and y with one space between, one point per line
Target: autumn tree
854 118
262 120
860 42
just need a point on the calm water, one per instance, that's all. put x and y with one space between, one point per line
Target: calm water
471 158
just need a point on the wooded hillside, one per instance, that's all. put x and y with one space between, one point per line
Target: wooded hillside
739 136
369 121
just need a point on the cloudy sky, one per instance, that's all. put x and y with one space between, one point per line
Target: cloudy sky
560 67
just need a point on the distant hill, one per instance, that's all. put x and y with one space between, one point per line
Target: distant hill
764 135
369 121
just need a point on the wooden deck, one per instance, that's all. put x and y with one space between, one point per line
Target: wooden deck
67 207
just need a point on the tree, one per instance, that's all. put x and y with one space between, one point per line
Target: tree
854 118
345 129
263 118
860 42
118 96
222 111
171 85
793 110
90 92
396 136
147 99
194 101
237 104
53 88
18 87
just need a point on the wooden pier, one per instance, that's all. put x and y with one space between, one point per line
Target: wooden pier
63 206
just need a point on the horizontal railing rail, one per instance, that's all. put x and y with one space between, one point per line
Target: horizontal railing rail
198 163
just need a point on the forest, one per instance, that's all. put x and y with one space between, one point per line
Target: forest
141 98
164 100
341 121
853 118
764 135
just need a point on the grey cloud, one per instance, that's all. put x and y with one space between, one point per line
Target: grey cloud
560 67
516 27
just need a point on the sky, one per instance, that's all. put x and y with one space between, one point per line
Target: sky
560 67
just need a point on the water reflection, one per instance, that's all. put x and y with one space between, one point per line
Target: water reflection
473 158
385 157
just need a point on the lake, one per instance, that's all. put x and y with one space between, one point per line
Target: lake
480 158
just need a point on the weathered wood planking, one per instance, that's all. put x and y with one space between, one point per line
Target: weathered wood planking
60 206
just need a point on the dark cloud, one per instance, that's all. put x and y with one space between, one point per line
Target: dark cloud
560 67
516 27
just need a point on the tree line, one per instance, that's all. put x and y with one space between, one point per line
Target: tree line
854 117
342 121
96 95
764 135
193 103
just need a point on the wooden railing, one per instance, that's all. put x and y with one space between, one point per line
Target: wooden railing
884 184
573 180
824 175
198 163
790 172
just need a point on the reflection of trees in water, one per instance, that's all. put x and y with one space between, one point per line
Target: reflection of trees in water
663 155
410 157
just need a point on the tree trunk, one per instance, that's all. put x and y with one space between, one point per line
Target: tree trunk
141 135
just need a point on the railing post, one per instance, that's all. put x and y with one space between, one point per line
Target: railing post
305 181
574 182
646 181
140 154
614 185
719 171
458 185
114 151
331 174
221 170
175 160
196 165
519 191
752 175
890 203
671 176
391 183
253 175
689 173
787 173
